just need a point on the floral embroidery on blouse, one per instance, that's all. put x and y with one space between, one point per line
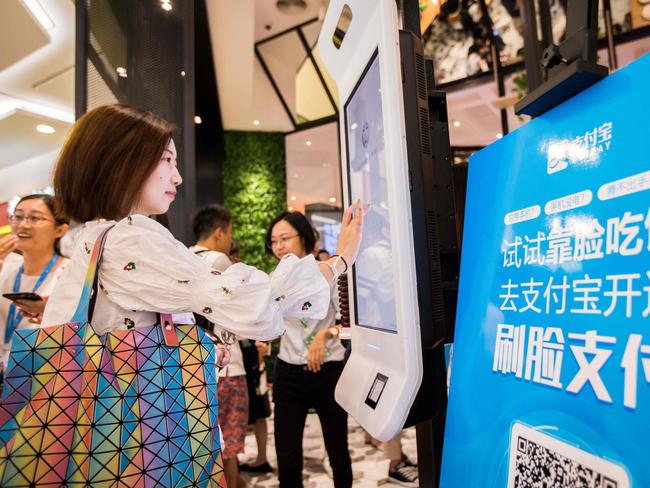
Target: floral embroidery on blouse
306 306
228 338
226 291
130 324
304 323
207 310
87 247
129 267
101 287
129 219
309 339
215 272
281 297
183 282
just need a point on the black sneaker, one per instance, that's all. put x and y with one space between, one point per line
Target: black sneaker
408 462
260 468
404 475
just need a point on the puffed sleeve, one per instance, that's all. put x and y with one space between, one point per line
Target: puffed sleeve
144 268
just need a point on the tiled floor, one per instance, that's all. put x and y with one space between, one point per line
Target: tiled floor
369 465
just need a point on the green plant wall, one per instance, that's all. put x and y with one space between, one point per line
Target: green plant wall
254 184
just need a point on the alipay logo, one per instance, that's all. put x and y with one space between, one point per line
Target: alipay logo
583 149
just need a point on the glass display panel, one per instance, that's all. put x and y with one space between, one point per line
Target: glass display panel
367 180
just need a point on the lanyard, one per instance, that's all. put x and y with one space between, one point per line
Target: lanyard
13 317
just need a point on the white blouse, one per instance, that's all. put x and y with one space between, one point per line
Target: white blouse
8 274
145 270
294 345
219 261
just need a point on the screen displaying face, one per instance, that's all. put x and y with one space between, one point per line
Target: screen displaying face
373 272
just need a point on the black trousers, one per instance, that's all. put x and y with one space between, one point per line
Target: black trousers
295 390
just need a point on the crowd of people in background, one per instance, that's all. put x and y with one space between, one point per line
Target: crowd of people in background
40 288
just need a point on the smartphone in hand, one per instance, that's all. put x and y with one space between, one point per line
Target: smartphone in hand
34 297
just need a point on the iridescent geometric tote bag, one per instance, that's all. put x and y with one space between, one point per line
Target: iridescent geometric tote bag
132 408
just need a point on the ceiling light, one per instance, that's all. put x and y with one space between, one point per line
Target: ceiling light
499 135
256 122
354 126
456 123
36 9
293 198
308 143
166 5
332 199
121 71
197 119
45 129
182 73
290 209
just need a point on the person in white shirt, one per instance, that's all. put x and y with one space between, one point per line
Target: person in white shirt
117 168
307 369
36 229
213 231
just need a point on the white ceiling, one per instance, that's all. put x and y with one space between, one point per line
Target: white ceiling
36 87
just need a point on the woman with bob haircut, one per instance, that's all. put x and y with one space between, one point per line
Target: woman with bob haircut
307 369
117 168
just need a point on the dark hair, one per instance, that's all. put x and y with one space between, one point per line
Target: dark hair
109 154
234 252
49 201
208 219
299 222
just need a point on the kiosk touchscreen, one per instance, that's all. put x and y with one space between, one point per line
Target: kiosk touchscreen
359 43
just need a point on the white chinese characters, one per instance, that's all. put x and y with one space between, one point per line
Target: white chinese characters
536 354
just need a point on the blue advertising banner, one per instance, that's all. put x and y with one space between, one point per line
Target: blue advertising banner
550 380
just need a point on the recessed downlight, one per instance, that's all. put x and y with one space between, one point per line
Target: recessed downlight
45 129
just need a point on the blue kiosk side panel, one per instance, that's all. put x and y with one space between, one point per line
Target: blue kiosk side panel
550 380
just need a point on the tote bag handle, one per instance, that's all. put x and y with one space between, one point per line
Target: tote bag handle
86 305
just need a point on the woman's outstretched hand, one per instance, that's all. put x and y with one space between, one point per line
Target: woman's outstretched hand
351 232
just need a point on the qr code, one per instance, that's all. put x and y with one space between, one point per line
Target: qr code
539 460
539 467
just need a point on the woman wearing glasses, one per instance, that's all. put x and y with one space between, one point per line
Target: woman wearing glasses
308 366
36 231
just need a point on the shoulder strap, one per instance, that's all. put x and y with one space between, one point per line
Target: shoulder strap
88 296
